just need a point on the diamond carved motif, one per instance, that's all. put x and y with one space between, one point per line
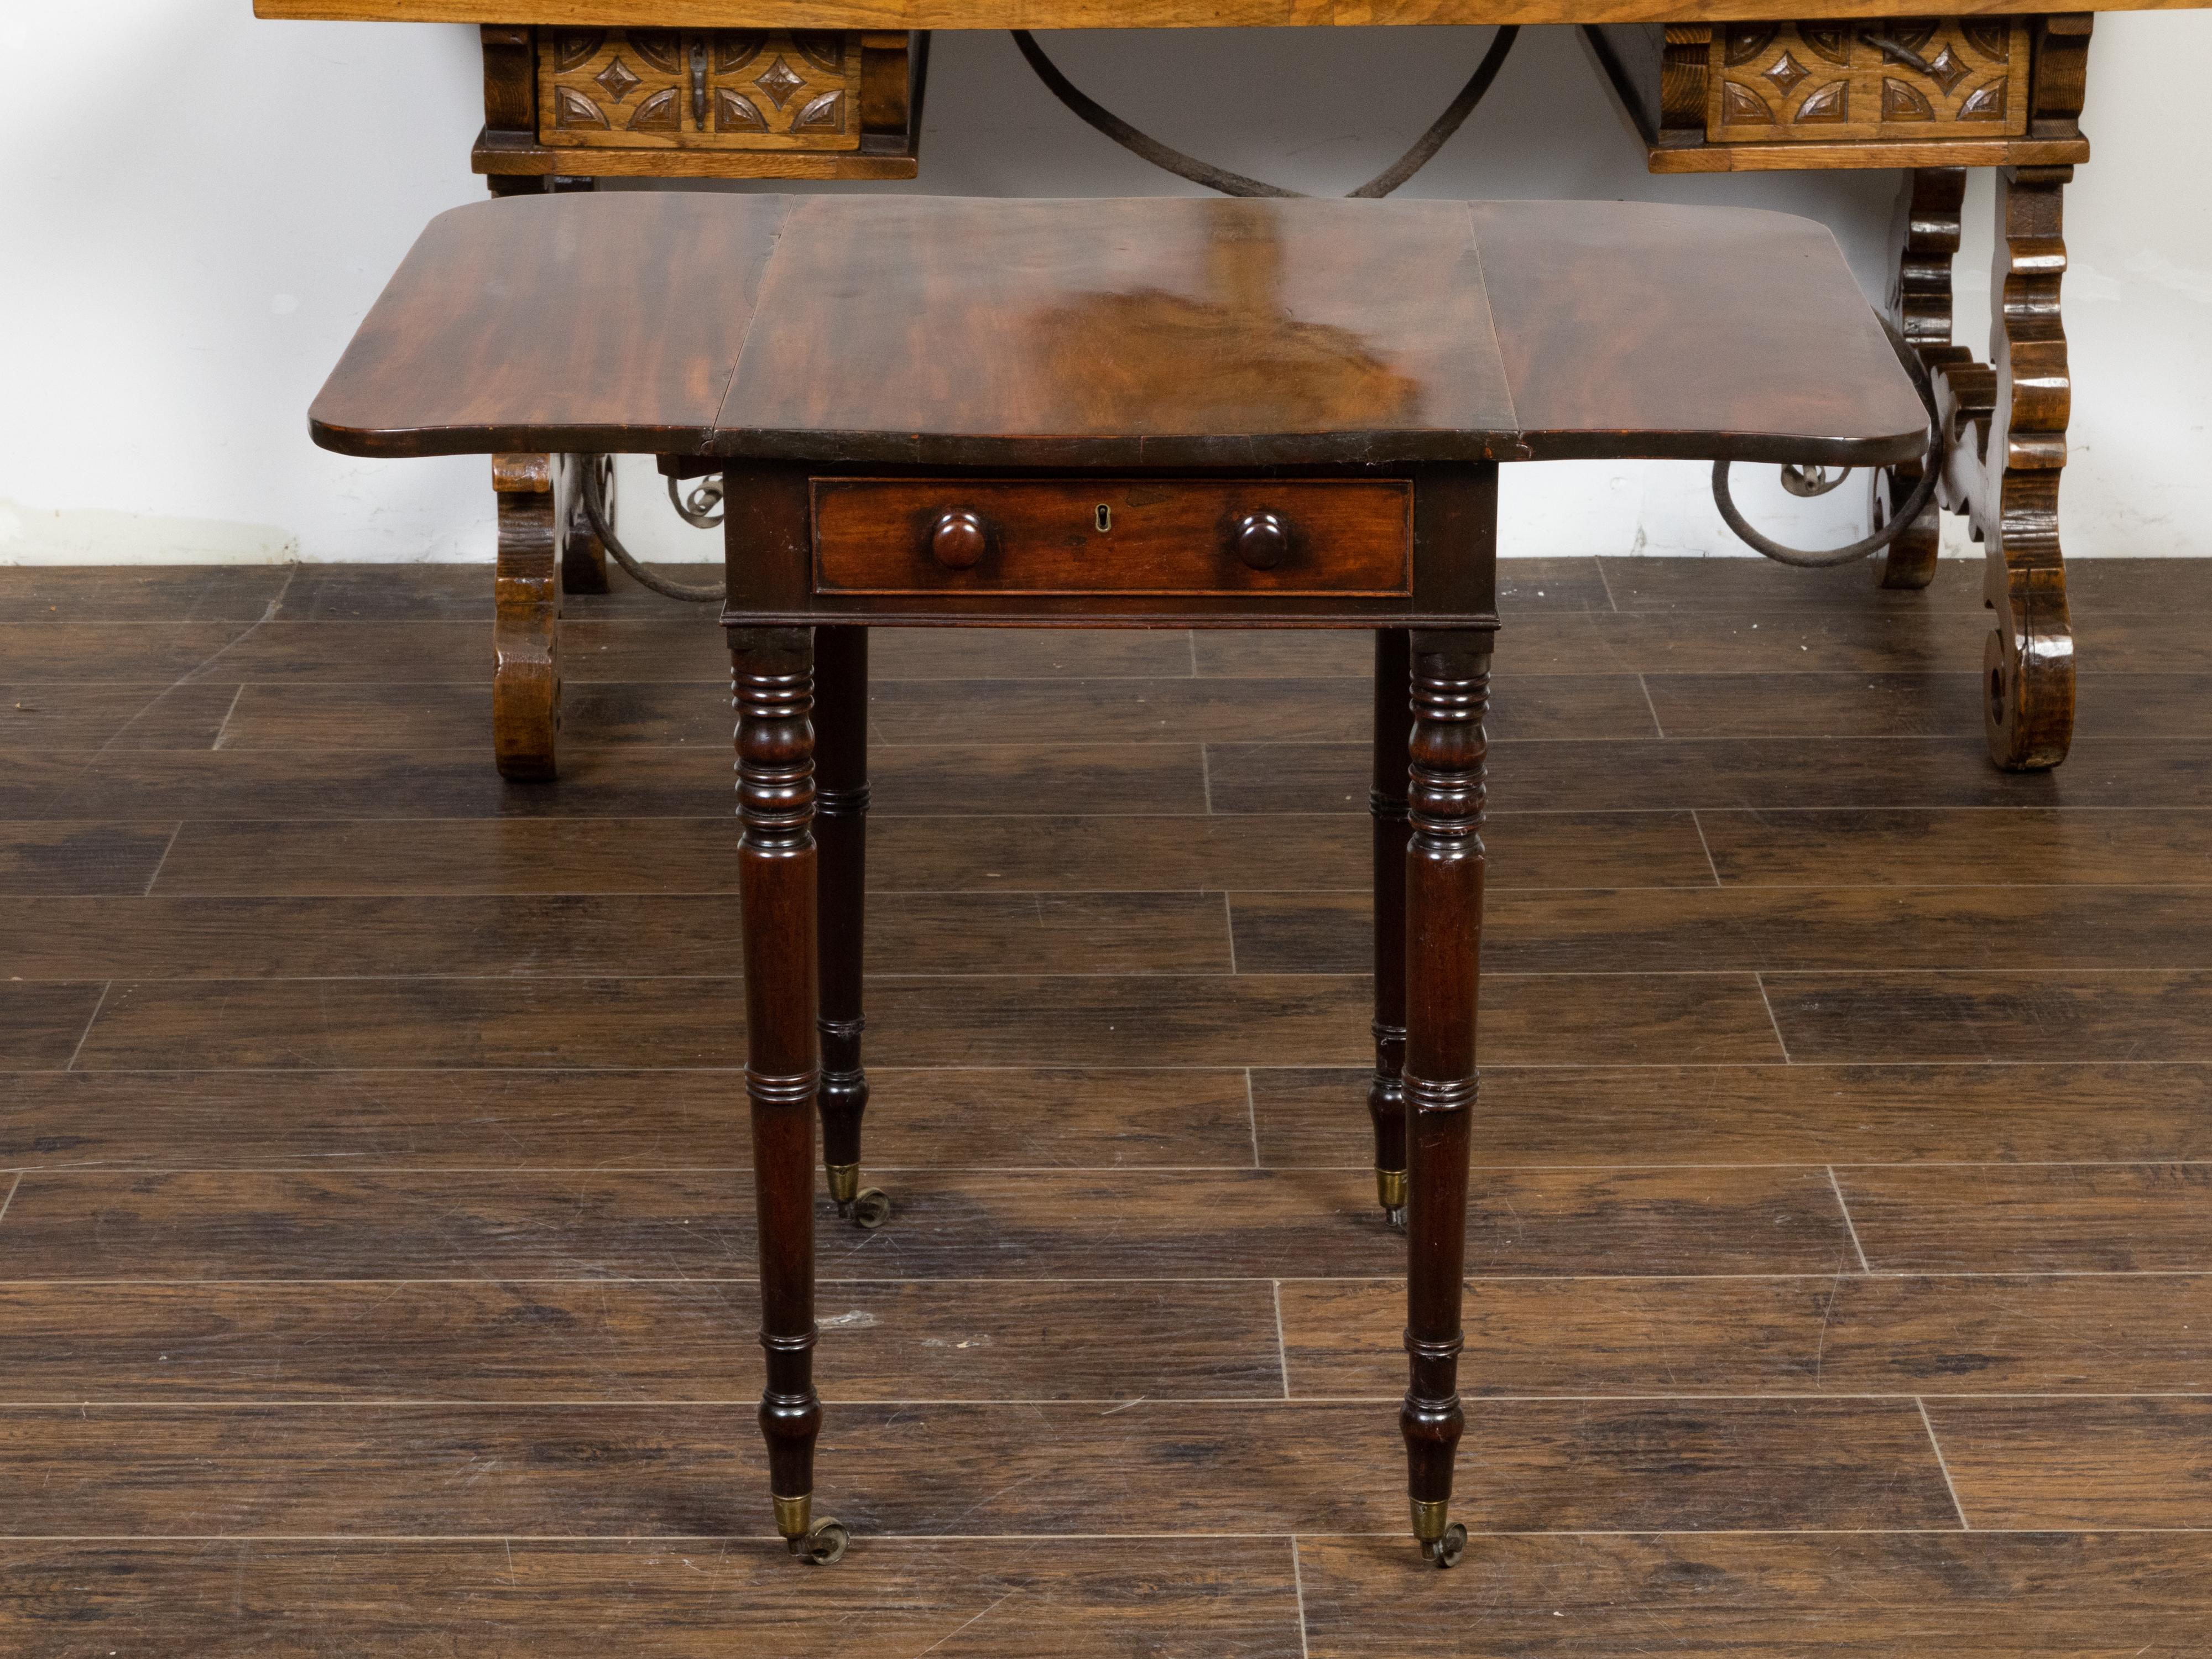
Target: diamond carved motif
1909 79
779 81
705 89
617 81
1786 74
1947 70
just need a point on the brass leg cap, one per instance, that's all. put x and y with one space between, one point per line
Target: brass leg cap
794 1515
1390 1193
1442 1542
844 1184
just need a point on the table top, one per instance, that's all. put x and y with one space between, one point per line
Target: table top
1158 331
1123 14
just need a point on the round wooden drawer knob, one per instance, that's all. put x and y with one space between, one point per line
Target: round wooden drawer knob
1262 540
957 541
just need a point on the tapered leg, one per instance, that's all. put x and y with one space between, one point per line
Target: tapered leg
841 801
1386 803
772 676
1444 935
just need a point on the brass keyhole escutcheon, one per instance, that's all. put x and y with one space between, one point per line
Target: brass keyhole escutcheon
1105 519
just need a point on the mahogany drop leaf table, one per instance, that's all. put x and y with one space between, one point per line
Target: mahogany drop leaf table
1164 413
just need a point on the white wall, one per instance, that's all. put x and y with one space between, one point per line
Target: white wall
188 237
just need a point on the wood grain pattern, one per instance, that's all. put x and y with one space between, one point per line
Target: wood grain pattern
1296 1020
94 716
688 1341
81 857
2048 1463
2006 1111
562 258
684 1471
1763 929
2050 1219
356 1306
1840 1335
42 1025
1735 774
1106 780
1940 848
169 593
336 1225
1059 853
524 934
697 1598
1308 332
600 713
2148 1014
1989 1595
610 1120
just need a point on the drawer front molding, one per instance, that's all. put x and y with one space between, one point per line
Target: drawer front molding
699 88
1107 536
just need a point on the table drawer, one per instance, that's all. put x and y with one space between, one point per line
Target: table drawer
1113 536
797 90
1914 78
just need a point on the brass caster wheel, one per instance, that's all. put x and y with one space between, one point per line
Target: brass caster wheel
1445 1551
872 1208
823 1545
1396 1218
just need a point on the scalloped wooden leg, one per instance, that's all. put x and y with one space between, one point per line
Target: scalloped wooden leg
1386 1095
1443 936
2029 663
773 679
1925 239
840 723
526 683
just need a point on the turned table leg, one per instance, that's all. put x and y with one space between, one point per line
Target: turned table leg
1386 1095
840 723
1444 935
772 676
525 682
1923 240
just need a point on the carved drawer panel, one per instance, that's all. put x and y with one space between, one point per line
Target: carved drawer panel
1110 536
1906 78
699 88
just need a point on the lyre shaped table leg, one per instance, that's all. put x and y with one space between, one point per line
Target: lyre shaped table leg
772 675
1386 1095
1444 933
842 827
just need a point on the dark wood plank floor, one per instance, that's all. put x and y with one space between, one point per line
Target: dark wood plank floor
375 1234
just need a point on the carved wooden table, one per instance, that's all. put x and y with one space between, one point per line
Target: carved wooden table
1160 413
578 89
